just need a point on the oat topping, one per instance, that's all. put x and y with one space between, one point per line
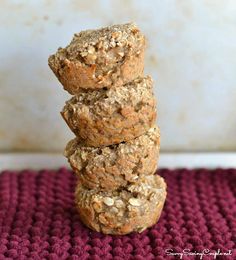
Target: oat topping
134 202
108 201
106 46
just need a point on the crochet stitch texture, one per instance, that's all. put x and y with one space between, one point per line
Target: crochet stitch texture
38 219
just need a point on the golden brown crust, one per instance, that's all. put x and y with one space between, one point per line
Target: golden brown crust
116 166
94 59
132 209
106 117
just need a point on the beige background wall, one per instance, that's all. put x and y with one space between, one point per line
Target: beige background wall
191 55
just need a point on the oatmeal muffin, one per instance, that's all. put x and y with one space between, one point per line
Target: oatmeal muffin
114 167
134 208
106 117
94 59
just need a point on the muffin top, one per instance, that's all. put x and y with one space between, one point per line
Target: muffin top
104 45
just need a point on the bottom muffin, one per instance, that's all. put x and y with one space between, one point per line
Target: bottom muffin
131 209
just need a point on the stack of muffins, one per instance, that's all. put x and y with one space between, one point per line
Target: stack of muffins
112 113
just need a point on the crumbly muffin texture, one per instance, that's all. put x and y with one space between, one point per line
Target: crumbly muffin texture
105 57
104 46
109 116
134 208
114 167
112 113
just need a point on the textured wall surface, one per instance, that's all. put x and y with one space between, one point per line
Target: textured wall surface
191 55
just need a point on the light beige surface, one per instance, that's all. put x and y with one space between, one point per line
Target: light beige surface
191 56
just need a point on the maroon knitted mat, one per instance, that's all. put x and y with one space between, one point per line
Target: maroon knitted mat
38 219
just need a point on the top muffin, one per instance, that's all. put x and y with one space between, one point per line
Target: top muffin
100 58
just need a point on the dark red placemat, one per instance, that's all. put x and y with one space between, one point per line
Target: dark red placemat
38 219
